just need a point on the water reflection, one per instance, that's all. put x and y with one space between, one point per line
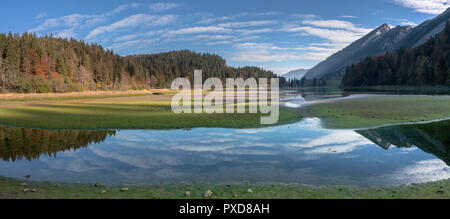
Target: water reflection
30 144
303 152
433 138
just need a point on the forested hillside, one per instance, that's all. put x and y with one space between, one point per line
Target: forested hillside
163 68
427 64
47 64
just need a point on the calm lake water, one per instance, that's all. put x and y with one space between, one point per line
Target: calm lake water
298 153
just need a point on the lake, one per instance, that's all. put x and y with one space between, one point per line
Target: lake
303 152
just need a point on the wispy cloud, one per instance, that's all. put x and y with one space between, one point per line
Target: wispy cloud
247 24
425 6
332 30
196 30
73 22
162 6
41 15
263 52
132 21
349 16
406 22
337 34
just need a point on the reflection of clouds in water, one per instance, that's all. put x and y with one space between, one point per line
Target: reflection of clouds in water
264 154
423 171
408 149
256 131
337 141
140 159
292 105
234 142
337 138
336 149
215 134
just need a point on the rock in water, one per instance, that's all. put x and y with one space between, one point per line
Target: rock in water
208 194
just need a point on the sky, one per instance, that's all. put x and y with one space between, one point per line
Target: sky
276 35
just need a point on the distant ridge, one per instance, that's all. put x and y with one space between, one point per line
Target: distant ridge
381 40
296 74
376 42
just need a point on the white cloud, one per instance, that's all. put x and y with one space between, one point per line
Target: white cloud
69 33
336 33
214 37
137 35
408 23
338 36
208 18
41 15
349 16
247 24
162 6
425 6
77 21
263 52
195 30
337 24
256 31
122 8
73 21
132 21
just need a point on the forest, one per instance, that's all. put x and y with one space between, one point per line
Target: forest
32 64
424 65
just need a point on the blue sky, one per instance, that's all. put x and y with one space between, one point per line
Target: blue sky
276 35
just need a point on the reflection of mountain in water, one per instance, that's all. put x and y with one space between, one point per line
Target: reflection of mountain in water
20 143
433 138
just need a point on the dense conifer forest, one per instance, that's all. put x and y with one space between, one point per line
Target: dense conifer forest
32 64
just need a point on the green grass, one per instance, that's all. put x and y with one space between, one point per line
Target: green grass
383 110
13 189
131 112
154 112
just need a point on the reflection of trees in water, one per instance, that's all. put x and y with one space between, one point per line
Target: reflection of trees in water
20 143
433 138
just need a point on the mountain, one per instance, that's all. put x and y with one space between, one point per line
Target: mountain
379 41
424 31
32 64
296 74
376 42
427 64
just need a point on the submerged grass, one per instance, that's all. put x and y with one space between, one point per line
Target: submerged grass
144 111
381 110
129 112
24 189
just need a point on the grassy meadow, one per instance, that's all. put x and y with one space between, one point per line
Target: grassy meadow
118 111
380 110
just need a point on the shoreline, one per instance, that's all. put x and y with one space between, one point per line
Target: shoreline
28 189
